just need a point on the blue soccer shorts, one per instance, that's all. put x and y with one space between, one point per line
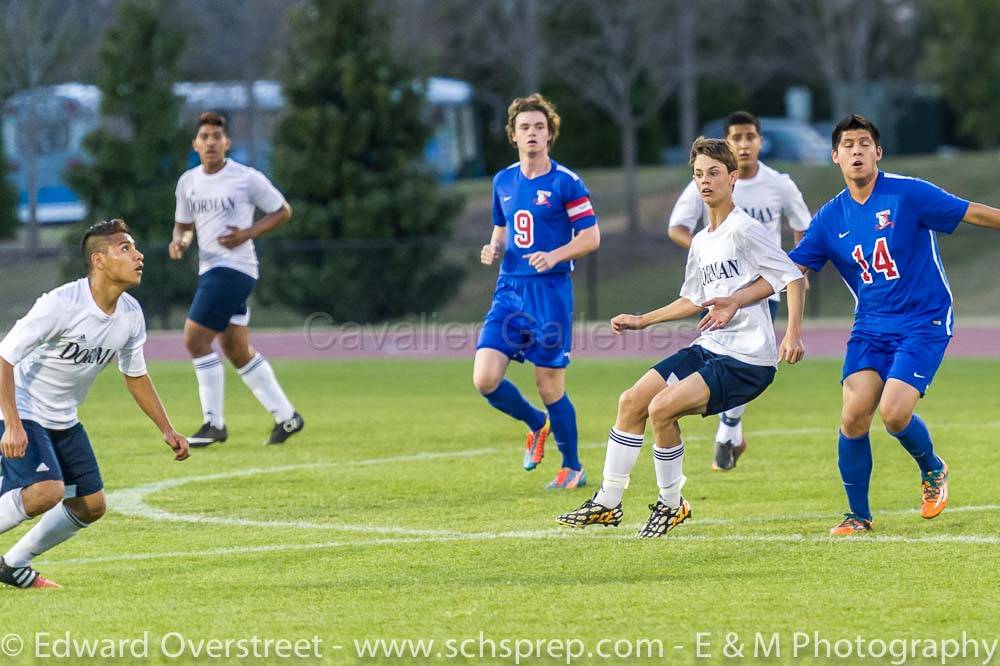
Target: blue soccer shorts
531 319
731 383
53 455
221 299
912 358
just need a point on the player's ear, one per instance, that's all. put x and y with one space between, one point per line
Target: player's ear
878 153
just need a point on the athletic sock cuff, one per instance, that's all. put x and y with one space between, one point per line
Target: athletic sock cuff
251 365
902 433
207 361
860 438
625 438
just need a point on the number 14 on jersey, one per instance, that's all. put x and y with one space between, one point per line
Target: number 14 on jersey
882 262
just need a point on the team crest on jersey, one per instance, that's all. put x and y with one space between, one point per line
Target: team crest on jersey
542 198
882 220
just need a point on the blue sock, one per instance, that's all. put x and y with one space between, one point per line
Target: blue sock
855 461
916 439
509 400
563 417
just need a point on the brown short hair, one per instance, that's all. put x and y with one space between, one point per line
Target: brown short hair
214 119
855 121
717 149
534 102
97 238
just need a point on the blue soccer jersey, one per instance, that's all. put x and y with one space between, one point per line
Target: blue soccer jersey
541 214
886 250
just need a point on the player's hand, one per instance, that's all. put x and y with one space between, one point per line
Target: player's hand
791 350
541 261
626 322
491 252
14 443
720 312
234 237
178 444
176 250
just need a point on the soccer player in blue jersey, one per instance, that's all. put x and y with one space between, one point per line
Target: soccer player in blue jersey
542 221
880 232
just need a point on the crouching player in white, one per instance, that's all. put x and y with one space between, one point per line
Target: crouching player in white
47 363
733 266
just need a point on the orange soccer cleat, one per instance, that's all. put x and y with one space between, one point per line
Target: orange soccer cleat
934 488
852 524
534 446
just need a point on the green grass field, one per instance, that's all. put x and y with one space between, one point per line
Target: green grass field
401 512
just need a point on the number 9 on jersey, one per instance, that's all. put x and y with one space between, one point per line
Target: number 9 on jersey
524 229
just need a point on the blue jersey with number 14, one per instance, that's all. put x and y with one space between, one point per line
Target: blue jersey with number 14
541 214
887 252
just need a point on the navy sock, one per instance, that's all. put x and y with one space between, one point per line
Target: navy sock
855 461
563 417
509 400
916 439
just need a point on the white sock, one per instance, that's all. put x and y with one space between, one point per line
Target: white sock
211 388
11 510
57 525
669 465
731 433
259 377
623 452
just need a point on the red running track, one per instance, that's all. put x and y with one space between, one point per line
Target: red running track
459 341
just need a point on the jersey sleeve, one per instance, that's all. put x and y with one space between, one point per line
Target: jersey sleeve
939 210
262 193
42 323
811 250
498 219
578 207
771 261
182 213
131 360
693 289
689 209
796 211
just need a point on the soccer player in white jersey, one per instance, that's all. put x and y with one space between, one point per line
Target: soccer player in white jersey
732 267
217 200
765 195
47 363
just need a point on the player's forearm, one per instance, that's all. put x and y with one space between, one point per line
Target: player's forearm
582 244
183 233
145 395
8 403
271 221
796 296
682 308
499 236
982 215
680 235
756 291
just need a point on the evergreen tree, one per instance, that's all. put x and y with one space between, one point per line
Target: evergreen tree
139 152
8 199
349 153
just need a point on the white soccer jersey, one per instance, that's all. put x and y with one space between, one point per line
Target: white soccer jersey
227 197
722 262
769 197
60 346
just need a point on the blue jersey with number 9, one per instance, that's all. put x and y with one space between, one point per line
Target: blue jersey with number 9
541 214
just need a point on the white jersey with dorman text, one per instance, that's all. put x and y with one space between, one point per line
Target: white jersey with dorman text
60 346
215 201
722 262
769 197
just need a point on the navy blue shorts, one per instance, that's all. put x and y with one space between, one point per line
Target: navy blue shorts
531 319
53 455
221 299
731 383
912 358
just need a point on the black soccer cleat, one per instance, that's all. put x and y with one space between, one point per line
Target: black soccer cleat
592 513
282 431
663 518
208 434
727 453
24 577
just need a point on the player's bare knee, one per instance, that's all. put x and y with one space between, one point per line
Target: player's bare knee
42 496
854 424
895 418
88 509
631 406
485 382
662 412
